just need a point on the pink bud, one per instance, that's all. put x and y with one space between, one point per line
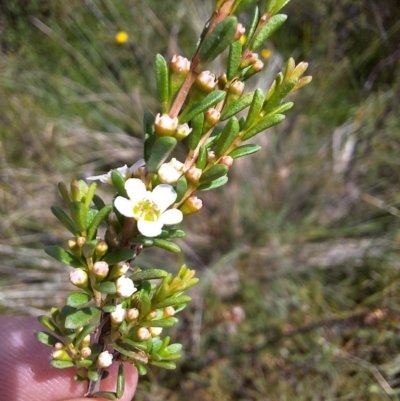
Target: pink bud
86 352
165 125
226 160
143 334
155 331
78 277
194 174
240 31
191 205
179 64
205 81
100 269
212 116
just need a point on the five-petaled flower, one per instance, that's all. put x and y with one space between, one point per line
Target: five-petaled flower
149 208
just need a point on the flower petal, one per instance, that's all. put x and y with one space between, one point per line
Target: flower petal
149 228
164 196
135 189
124 206
136 166
105 178
171 216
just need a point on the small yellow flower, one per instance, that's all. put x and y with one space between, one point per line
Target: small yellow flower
121 37
266 53
243 39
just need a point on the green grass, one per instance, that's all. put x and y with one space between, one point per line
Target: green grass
304 238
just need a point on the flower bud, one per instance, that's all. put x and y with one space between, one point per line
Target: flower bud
254 69
299 70
169 173
151 315
86 352
169 311
80 241
205 82
240 31
155 331
249 60
142 334
101 248
112 219
119 315
210 156
194 174
165 125
191 205
86 341
58 346
236 88
211 117
111 237
100 270
179 65
61 355
104 360
120 269
222 81
182 131
79 278
132 314
226 160
125 287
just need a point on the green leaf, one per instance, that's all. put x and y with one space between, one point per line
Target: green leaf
263 124
241 5
88 329
167 245
107 287
138 356
235 53
62 188
201 158
100 216
227 137
244 150
255 108
161 70
120 255
210 100
197 124
160 151
62 256
167 322
237 106
93 375
46 338
120 381
141 368
144 302
213 184
213 173
62 364
149 274
77 299
66 220
267 30
149 134
274 6
108 395
88 248
172 233
79 214
49 324
89 194
181 299
279 94
142 346
253 25
98 202
164 364
181 187
119 183
109 308
142 241
279 109
218 40
172 349
80 317
85 363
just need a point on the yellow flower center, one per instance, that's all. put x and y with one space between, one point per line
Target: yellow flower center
147 210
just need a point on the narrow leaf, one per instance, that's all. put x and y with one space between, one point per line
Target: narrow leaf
79 214
255 108
119 255
267 30
181 187
108 395
164 364
279 94
218 40
253 25
202 158
138 356
213 184
227 136
65 220
46 322
262 125
142 346
62 364
210 100
77 299
235 53
160 151
100 216
88 329
182 299
197 129
244 150
148 274
215 172
120 381
167 322
161 70
98 202
46 338
62 256
119 183
167 245
80 317
107 287
236 107
149 135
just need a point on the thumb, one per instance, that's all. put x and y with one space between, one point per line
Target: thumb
26 372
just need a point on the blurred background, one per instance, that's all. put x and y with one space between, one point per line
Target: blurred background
298 254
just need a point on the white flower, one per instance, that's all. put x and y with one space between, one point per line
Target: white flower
125 171
125 287
104 360
168 173
149 208
119 315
